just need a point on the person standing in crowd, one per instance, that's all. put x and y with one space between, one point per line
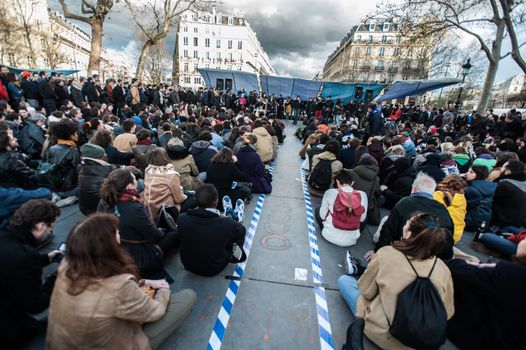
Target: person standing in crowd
21 267
45 90
97 275
376 122
30 88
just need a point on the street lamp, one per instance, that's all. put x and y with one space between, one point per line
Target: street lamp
466 67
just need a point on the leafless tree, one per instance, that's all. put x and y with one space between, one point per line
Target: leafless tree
155 19
94 14
155 64
484 20
52 50
11 40
24 11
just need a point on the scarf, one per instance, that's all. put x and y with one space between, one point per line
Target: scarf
131 196
69 143
145 142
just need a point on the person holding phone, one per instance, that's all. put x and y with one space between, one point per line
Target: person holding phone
97 275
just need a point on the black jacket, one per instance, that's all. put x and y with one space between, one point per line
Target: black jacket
31 140
118 95
21 289
69 159
92 173
117 157
489 306
398 186
207 240
30 89
45 90
202 151
509 203
432 167
90 91
392 228
222 175
15 170
76 96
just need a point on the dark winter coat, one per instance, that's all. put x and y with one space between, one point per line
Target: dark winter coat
92 173
76 96
253 168
479 197
69 160
202 151
31 140
45 90
432 167
392 228
12 198
30 89
90 91
365 179
488 306
21 288
509 203
207 240
221 176
399 185
376 123
347 156
15 170
117 157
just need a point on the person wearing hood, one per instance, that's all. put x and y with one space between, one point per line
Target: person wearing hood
203 151
399 182
365 176
264 145
450 192
93 169
485 157
183 162
32 136
431 167
375 147
331 152
462 159
509 202
479 197
75 90
252 166
387 164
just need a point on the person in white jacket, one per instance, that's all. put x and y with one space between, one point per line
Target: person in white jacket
324 217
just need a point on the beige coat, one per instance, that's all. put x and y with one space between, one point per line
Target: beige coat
161 186
264 145
386 276
125 142
188 172
105 316
336 167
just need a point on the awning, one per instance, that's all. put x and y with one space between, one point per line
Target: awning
403 88
351 91
17 71
290 87
227 79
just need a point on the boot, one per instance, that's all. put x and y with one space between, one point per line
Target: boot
355 335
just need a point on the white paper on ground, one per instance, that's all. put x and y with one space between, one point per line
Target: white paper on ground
300 274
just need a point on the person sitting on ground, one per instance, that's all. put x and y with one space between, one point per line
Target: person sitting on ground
484 157
365 178
225 175
431 167
143 148
93 169
387 163
183 163
16 169
251 165
450 192
272 134
66 155
347 154
32 136
97 275
484 301
104 139
398 183
264 144
21 268
207 237
320 180
165 134
341 212
421 199
462 159
203 151
374 297
162 185
502 159
479 197
146 244
125 141
509 201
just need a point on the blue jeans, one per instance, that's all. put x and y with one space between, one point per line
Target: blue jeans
296 115
348 286
499 244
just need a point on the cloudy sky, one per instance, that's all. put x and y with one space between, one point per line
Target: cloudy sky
298 35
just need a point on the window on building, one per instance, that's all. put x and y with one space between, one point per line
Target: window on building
381 52
185 68
370 38
185 53
397 51
230 20
359 38
197 80
410 53
196 41
207 42
384 39
386 27
196 30
371 27
220 84
218 43
230 56
218 55
368 51
229 44
228 84
357 51
240 45
185 41
195 67
185 29
187 80
196 54
11 57
208 55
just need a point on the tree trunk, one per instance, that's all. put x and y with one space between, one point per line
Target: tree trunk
142 59
175 56
492 69
96 45
32 52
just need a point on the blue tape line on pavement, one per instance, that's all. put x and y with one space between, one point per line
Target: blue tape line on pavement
324 323
219 330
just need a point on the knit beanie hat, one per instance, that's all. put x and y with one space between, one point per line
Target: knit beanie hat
91 150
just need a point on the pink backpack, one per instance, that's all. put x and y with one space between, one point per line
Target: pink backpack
347 210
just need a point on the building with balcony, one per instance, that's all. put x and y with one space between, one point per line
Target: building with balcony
375 51
218 41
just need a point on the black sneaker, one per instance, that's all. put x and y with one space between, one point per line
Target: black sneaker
354 339
351 265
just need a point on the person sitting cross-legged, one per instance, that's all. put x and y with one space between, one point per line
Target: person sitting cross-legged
207 238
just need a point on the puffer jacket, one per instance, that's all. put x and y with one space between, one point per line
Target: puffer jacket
479 197
251 165
366 179
203 152
92 173
15 171
161 186
264 145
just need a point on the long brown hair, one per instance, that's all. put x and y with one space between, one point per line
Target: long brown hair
115 185
427 237
93 253
224 156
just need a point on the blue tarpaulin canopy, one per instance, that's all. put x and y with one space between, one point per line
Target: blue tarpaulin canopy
403 88
290 87
351 91
239 80
306 89
17 71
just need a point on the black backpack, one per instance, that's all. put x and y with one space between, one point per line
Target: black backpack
420 319
321 176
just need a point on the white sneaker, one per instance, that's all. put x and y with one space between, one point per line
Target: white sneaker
239 211
64 202
55 197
